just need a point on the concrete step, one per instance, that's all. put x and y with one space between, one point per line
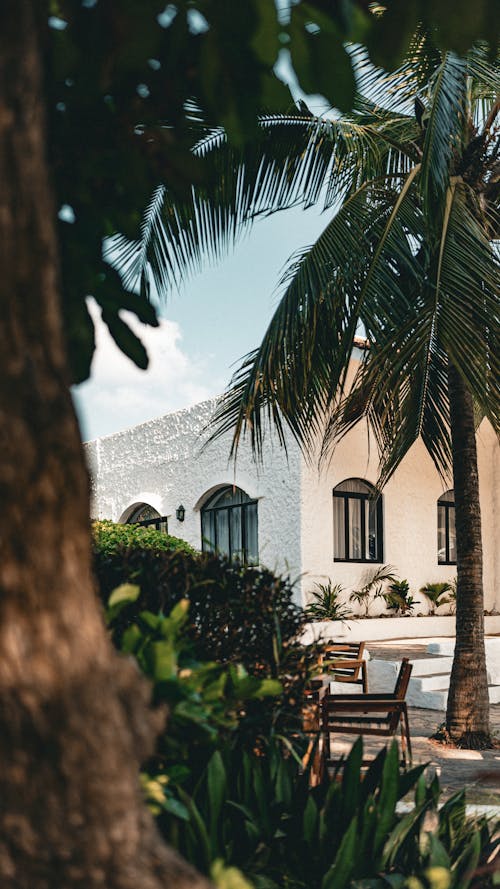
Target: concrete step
426 689
425 665
430 682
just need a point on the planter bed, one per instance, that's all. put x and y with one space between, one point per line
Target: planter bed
375 629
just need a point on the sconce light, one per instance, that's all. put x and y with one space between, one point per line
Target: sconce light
180 512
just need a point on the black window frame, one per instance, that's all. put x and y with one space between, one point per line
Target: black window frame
244 508
160 523
447 505
375 498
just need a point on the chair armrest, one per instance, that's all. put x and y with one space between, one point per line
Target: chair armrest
340 664
376 696
363 706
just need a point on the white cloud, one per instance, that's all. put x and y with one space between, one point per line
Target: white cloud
118 394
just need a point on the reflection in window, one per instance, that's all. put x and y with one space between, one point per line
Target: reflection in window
148 517
357 522
446 539
229 525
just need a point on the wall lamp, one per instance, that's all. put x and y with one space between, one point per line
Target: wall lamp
180 512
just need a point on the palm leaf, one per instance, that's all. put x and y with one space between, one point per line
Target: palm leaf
444 128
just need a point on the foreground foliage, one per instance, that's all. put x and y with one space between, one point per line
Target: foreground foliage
227 796
239 615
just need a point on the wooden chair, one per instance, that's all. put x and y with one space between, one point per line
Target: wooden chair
345 661
369 714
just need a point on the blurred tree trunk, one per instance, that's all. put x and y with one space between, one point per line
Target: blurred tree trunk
74 719
467 717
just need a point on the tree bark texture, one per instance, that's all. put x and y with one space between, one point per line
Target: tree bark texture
74 717
467 717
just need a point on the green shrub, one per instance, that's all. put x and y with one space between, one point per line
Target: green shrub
207 702
110 537
237 615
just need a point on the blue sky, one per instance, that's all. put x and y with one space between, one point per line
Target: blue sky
220 315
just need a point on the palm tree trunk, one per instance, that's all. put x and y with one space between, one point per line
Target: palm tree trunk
467 717
74 717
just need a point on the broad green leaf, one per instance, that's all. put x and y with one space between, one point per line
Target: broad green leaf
125 593
338 876
388 796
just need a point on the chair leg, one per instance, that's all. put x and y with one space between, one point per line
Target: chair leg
364 677
403 741
407 730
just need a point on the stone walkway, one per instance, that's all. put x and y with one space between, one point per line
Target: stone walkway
476 770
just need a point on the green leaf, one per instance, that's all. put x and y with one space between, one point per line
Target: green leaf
399 834
338 876
388 796
126 592
125 339
216 789
226 877
163 660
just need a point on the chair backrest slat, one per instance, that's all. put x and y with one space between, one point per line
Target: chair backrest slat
403 679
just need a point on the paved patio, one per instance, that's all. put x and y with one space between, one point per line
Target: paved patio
476 770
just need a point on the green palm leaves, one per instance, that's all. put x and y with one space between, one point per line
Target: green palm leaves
408 255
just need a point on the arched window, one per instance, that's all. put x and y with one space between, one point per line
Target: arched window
229 525
446 539
145 515
357 522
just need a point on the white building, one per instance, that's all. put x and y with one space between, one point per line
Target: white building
285 514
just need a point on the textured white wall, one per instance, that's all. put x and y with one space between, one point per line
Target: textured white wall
161 463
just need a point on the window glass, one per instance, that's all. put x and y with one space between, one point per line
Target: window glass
252 545
441 533
229 525
147 516
222 532
354 518
452 535
236 534
142 513
446 536
357 522
339 528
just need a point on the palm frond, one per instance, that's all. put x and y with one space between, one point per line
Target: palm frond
445 126
302 363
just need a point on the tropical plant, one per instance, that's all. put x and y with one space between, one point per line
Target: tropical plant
207 702
397 597
409 253
436 595
258 813
326 603
372 585
239 615
227 797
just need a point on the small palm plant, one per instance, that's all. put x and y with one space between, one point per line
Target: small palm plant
435 593
372 583
326 603
397 597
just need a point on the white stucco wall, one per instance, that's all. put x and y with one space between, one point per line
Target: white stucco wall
162 463
409 517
